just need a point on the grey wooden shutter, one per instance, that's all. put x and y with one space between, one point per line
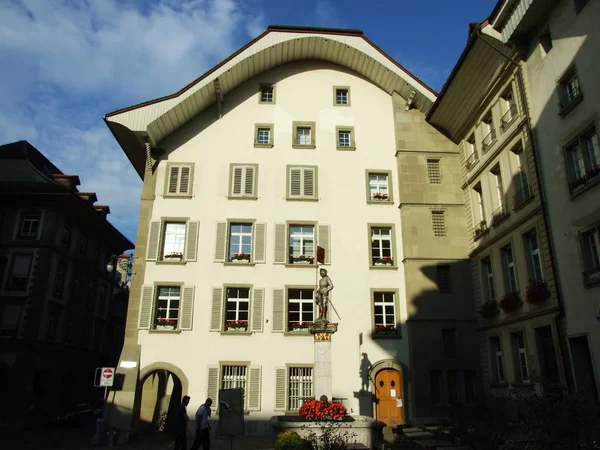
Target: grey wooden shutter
295 188
236 182
184 180
325 241
260 243
216 309
191 241
187 308
308 182
257 310
221 243
280 388
212 384
249 181
278 325
280 243
254 387
173 179
146 306
153 240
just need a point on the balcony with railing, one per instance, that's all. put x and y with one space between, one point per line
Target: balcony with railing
480 229
570 97
508 117
522 196
472 160
489 140
591 276
499 215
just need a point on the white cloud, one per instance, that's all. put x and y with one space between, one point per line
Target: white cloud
327 15
72 62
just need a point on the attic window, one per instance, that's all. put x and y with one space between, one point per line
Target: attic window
267 93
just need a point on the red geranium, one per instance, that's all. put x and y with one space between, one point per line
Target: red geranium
320 410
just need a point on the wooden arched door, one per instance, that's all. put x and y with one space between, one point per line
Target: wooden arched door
390 397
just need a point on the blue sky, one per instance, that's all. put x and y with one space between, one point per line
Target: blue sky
66 63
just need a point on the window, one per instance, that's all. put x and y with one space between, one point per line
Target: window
301 240
300 385
453 387
243 180
302 183
497 360
173 241
381 246
439 223
304 135
479 215
534 261
300 307
19 273
263 135
234 377
11 318
545 42
267 93
583 161
508 109
520 357
449 342
384 313
488 132
433 171
341 96
471 152
240 241
580 4
59 278
569 92
436 383
30 225
488 280
379 187
179 180
522 183
510 274
500 212
345 138
67 231
470 387
167 303
444 279
590 244
237 305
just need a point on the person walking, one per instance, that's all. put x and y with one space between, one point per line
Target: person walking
181 423
202 426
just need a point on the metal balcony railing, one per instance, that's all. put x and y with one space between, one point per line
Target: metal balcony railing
570 95
508 117
472 160
489 140
523 195
499 215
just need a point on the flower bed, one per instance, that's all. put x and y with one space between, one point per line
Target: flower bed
322 410
537 292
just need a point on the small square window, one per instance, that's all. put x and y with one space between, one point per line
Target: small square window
433 171
179 180
379 187
30 225
439 223
345 138
341 96
302 183
303 135
267 94
263 135
243 181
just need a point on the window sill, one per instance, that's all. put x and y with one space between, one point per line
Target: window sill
304 147
239 264
384 267
571 106
171 263
242 197
302 199
257 145
347 148
297 333
173 331
185 196
305 266
587 186
342 104
380 202
235 333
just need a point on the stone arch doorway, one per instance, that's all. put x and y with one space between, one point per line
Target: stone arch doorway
389 384
162 388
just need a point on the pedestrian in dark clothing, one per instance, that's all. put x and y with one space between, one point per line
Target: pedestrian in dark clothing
181 422
202 427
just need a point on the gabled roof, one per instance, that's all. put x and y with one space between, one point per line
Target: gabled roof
157 119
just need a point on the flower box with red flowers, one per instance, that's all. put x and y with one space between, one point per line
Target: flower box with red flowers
322 410
385 261
302 259
510 302
385 330
236 325
537 292
488 309
576 184
173 256
593 172
380 196
300 327
165 324
240 258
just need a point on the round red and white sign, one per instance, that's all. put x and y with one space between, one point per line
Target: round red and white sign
107 373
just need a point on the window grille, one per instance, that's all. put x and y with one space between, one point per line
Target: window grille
300 386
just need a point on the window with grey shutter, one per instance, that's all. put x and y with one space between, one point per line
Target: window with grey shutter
302 183
280 243
179 179
187 308
243 180
221 242
279 322
146 306
153 240
257 310
254 388
216 309
260 242
324 241
280 388
191 241
212 383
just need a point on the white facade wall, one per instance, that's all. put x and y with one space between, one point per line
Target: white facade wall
304 92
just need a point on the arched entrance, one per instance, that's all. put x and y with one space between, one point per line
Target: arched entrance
389 383
162 388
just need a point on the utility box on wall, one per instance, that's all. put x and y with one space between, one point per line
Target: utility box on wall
231 412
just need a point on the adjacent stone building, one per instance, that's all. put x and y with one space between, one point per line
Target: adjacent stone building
61 314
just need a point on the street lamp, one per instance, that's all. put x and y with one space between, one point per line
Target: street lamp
111 264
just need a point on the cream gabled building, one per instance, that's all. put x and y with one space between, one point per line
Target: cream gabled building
289 144
483 108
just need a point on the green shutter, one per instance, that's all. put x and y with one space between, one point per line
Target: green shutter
221 243
153 241
191 241
278 325
257 310
280 242
260 241
280 389
186 315
216 314
325 241
146 304
212 385
254 387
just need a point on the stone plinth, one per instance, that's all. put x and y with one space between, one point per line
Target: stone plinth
322 373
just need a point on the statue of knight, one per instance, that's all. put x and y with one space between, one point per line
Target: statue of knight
322 295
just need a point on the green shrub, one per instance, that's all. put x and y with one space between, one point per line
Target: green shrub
290 440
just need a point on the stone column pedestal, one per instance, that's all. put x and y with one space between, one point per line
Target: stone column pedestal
322 372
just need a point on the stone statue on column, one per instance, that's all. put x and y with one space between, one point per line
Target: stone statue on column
322 295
